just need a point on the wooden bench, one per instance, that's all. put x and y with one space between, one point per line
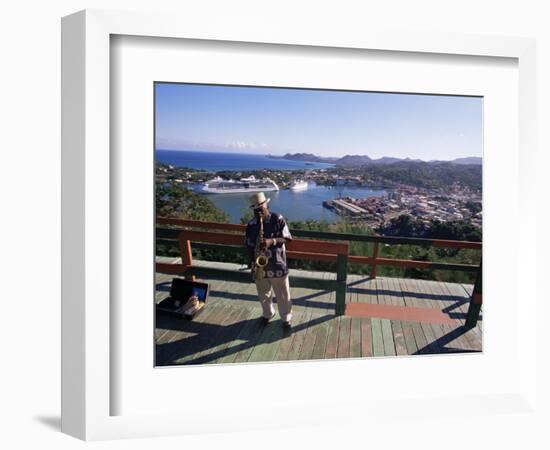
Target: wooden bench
233 241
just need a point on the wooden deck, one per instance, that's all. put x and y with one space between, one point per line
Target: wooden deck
384 317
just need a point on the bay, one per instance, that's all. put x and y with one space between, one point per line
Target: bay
216 161
293 205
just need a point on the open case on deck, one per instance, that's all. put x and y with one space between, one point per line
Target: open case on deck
178 303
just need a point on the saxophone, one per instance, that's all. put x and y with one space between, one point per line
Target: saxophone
261 260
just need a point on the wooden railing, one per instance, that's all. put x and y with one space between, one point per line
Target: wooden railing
333 247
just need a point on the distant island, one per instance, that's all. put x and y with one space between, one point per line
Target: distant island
364 160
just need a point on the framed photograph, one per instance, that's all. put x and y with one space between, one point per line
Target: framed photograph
338 254
321 198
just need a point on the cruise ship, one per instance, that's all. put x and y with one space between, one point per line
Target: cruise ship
250 184
298 185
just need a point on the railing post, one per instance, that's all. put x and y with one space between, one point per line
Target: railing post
475 301
341 278
374 257
186 254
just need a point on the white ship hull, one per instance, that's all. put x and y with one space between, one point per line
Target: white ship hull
245 185
299 186
213 190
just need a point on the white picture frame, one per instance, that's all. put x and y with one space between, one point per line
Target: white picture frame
87 355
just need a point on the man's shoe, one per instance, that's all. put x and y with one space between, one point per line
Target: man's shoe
265 320
287 325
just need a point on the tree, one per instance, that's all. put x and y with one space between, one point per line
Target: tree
175 201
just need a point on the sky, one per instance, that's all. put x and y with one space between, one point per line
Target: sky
326 123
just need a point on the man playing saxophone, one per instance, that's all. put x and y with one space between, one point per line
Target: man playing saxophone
266 235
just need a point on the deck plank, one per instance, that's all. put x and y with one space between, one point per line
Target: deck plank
299 334
454 333
366 337
420 340
377 338
309 341
230 334
206 339
344 335
321 337
406 327
180 329
229 329
332 340
385 324
263 349
460 291
299 318
355 338
474 336
421 299
235 352
393 298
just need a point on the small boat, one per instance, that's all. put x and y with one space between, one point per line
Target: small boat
299 185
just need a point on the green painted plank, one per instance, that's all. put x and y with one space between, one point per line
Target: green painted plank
207 339
255 335
255 331
419 336
355 338
387 335
184 331
321 336
405 328
308 346
207 329
420 341
270 351
159 333
464 341
458 291
410 341
243 340
377 338
369 292
223 334
299 336
385 325
344 338
298 319
395 298
455 342
267 339
230 333
430 333
399 338
267 348
440 330
332 340
366 337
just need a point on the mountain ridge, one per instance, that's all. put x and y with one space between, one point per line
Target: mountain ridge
361 160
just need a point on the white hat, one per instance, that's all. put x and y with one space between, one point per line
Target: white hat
258 199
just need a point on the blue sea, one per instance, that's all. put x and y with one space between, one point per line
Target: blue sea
216 161
293 205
